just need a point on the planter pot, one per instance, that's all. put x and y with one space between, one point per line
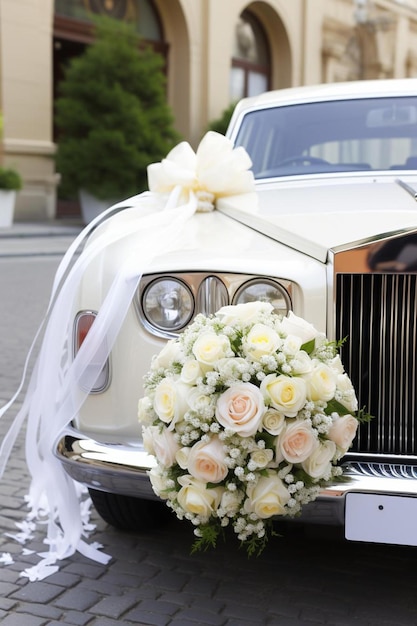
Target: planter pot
7 203
92 206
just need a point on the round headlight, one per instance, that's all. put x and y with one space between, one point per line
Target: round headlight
168 304
264 290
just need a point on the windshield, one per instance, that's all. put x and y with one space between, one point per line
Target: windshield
338 136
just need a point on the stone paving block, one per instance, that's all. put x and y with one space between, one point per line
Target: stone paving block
37 592
17 619
203 617
76 618
40 610
169 580
113 606
6 604
146 617
77 598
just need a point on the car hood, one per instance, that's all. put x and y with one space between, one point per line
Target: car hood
321 215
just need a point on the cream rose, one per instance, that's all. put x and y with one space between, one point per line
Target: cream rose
273 421
262 456
286 394
296 442
240 408
301 363
172 352
321 383
244 313
294 325
261 341
194 497
343 431
163 444
182 457
169 401
206 461
210 347
191 371
318 463
267 497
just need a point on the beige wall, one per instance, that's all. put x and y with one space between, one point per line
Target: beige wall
311 41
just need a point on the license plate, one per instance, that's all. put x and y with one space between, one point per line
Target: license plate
381 518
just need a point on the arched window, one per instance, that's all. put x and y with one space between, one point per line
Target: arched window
251 59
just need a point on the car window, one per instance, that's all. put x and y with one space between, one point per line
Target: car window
343 135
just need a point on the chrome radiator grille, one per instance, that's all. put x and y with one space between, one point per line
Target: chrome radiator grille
378 315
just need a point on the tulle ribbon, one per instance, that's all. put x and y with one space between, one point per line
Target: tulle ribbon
185 182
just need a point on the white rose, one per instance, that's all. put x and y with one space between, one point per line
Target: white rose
273 421
301 363
231 502
318 463
210 347
262 456
296 442
198 401
244 313
260 341
346 395
337 365
267 497
145 410
171 353
182 457
343 431
158 482
169 401
195 497
321 383
294 325
286 394
191 371
160 442
207 461
291 344
240 408
232 368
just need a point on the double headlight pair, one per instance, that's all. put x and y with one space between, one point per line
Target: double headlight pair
167 304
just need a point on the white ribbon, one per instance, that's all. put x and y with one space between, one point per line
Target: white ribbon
182 184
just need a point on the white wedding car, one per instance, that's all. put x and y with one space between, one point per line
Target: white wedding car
334 239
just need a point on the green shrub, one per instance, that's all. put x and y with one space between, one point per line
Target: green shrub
10 180
112 115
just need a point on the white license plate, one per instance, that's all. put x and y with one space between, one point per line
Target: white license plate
381 518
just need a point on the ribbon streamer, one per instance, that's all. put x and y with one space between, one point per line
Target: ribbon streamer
181 185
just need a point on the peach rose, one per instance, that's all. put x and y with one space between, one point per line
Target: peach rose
343 431
296 442
267 497
240 408
160 442
206 461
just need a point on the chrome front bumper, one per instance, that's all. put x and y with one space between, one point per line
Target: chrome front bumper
122 469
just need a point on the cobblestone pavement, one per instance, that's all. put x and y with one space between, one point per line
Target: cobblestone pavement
302 579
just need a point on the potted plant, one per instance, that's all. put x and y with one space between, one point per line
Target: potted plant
10 183
112 117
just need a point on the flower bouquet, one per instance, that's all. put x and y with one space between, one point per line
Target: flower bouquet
247 414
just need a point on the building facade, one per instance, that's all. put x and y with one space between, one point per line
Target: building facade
215 51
